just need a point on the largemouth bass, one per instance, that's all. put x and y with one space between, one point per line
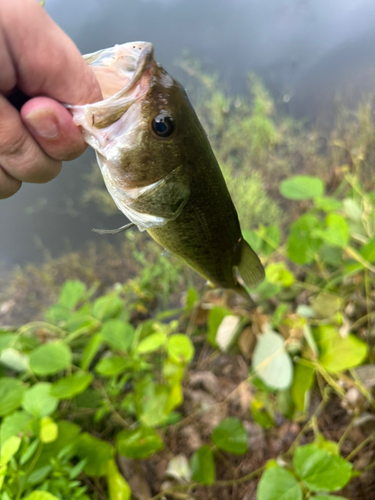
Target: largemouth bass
159 167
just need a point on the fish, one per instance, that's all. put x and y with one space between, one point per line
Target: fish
159 167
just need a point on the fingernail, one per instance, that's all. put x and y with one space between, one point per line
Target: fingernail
43 122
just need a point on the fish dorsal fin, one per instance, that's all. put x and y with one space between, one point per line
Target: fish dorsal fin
250 267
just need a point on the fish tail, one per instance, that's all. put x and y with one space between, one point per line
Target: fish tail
249 266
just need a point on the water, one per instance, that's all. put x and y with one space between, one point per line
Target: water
305 49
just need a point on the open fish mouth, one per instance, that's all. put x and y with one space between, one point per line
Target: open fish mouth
124 73
119 68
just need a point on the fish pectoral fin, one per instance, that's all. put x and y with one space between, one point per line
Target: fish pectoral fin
114 231
166 200
250 267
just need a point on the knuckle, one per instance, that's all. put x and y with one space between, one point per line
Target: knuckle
12 145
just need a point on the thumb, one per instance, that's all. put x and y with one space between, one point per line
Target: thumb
45 59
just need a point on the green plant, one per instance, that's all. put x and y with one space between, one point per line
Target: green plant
38 443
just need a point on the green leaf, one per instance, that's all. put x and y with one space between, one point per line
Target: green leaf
11 395
151 402
14 424
266 290
9 449
353 209
97 452
173 372
337 353
320 470
107 307
30 451
191 297
278 274
152 343
48 430
81 324
307 333
368 250
90 351
302 187
13 359
302 245
138 443
331 255
49 359
270 238
271 362
77 469
327 204
118 334
71 293
111 366
7 340
67 435
230 436
68 387
278 484
262 410
215 317
337 232
180 348
331 446
325 305
118 488
38 400
40 495
203 465
57 313
303 380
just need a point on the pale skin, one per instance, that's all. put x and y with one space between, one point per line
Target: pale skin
38 58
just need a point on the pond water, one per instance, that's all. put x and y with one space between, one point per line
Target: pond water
300 47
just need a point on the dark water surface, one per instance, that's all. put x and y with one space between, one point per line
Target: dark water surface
300 47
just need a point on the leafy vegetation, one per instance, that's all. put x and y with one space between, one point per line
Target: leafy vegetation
109 393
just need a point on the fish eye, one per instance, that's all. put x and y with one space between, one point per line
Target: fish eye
162 125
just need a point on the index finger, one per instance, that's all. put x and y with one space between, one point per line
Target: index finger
46 60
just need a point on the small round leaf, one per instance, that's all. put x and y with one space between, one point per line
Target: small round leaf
203 465
48 431
68 387
271 362
139 443
230 436
180 348
320 470
11 395
38 400
278 484
49 359
302 187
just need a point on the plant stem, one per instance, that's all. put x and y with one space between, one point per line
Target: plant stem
358 257
360 446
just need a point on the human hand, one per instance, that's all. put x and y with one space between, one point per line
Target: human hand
40 60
